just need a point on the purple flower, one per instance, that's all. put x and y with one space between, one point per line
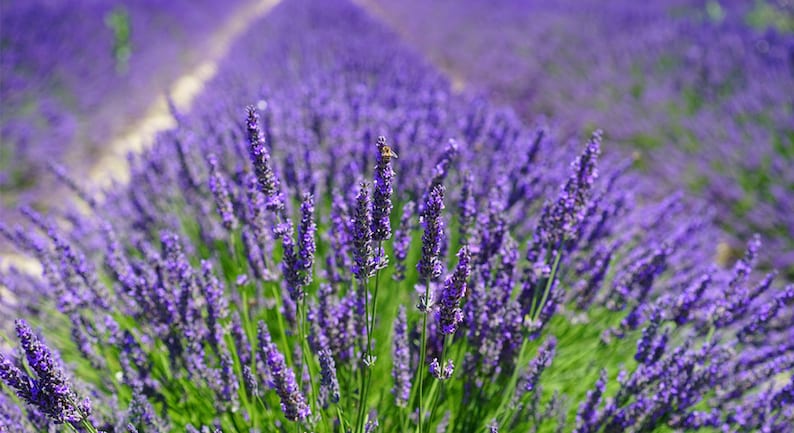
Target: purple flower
329 384
429 265
401 357
382 192
467 208
220 190
11 417
49 390
402 240
449 312
541 362
216 304
250 382
293 403
586 415
290 264
306 242
441 373
227 392
260 158
561 219
645 345
364 264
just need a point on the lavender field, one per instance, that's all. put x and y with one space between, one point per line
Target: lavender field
372 216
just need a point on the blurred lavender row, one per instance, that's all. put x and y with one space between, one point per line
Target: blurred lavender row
701 90
77 73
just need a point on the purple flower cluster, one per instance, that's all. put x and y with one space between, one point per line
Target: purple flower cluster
430 266
293 403
449 313
162 297
48 389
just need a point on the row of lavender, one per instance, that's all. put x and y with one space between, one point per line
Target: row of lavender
280 268
75 72
701 93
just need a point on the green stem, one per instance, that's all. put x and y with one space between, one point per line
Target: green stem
370 327
535 310
364 370
305 350
281 327
84 421
422 355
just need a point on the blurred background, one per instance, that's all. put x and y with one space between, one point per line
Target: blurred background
699 93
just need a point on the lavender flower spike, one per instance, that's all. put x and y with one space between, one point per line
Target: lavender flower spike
541 362
401 373
293 403
220 190
260 158
382 192
49 390
329 384
429 265
364 263
306 243
586 414
449 312
402 241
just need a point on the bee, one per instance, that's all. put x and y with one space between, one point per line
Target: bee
387 153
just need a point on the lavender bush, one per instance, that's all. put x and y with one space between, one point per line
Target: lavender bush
360 249
698 90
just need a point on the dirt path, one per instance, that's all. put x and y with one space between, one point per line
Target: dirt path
113 163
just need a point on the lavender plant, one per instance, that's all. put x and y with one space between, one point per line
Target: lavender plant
241 281
697 90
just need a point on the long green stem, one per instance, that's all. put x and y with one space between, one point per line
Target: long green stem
422 355
535 309
370 328
281 327
305 351
364 369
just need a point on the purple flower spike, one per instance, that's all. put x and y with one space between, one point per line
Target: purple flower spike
49 391
402 241
561 220
401 372
541 362
306 242
585 416
382 192
260 158
220 190
364 264
293 403
329 384
429 265
290 266
441 373
449 313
